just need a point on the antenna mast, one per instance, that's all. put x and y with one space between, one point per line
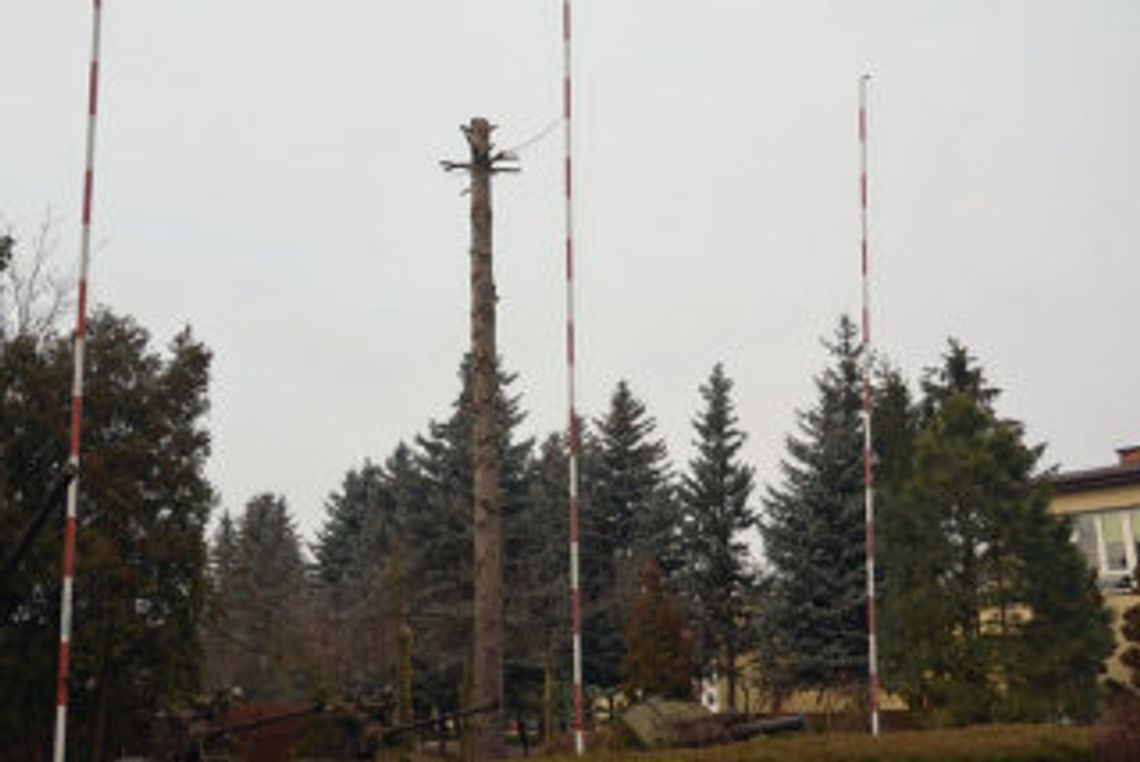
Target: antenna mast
868 467
572 430
59 748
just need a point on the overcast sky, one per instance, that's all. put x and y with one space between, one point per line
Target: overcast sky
267 172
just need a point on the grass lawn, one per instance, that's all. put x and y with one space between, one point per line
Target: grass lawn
992 743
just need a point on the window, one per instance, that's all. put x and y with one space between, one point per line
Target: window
1115 548
1135 517
1085 537
1110 543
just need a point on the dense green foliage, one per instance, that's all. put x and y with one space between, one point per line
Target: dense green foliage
259 582
717 579
628 518
140 585
993 611
1130 631
814 530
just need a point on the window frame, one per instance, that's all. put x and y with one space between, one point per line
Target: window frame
1130 527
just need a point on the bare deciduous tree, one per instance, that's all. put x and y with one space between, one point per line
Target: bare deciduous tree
33 294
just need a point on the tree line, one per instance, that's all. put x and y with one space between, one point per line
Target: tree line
987 610
392 563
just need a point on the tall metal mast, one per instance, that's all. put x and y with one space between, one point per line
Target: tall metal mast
868 466
572 426
80 340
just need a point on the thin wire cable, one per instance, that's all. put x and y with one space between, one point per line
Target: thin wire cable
572 423
550 127
59 748
868 467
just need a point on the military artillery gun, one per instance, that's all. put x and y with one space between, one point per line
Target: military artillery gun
207 732
658 723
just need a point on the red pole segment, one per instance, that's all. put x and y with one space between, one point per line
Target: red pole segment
59 749
868 468
572 427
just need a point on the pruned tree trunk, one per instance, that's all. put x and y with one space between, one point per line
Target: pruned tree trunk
488 666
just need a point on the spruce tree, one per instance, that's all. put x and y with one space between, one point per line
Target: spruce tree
219 649
362 524
630 484
438 532
265 613
814 535
630 519
357 553
538 611
715 512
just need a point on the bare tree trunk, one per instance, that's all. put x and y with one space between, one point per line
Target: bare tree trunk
548 692
730 672
488 666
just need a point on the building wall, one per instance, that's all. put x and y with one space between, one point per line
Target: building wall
1095 505
1097 500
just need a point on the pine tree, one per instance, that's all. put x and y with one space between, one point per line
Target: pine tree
439 531
714 501
630 519
814 534
911 619
538 621
356 554
999 617
362 523
223 564
265 613
630 483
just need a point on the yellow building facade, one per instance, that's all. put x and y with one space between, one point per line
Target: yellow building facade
1104 504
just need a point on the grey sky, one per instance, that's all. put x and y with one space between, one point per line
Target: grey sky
267 172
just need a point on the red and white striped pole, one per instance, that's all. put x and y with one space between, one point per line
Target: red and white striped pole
573 444
868 469
80 338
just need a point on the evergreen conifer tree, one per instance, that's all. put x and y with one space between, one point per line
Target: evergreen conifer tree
223 564
356 558
630 484
140 584
362 523
630 519
910 620
715 512
269 591
998 614
538 611
814 535
438 532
